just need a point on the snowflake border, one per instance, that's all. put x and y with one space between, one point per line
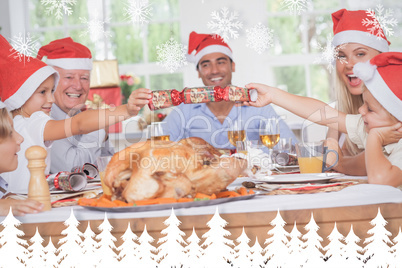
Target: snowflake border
259 38
138 11
56 6
24 46
171 55
296 7
329 54
95 28
226 26
378 21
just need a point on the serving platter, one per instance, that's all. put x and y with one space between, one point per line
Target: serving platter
199 203
300 178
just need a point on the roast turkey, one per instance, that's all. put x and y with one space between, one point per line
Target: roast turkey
153 169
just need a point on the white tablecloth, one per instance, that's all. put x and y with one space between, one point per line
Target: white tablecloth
362 194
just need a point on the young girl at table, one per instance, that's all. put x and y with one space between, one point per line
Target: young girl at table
27 91
377 128
10 142
354 43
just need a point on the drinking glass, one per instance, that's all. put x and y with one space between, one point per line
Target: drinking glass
269 133
312 157
236 132
102 163
285 145
242 147
158 131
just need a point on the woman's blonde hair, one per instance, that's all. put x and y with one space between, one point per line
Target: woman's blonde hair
5 126
349 104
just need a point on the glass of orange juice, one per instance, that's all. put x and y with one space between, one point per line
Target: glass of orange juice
311 157
102 162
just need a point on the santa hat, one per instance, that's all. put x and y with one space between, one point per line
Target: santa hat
2 105
204 44
349 28
66 54
382 77
18 81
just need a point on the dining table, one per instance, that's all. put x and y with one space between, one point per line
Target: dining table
355 205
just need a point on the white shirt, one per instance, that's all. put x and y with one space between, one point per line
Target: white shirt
32 129
77 150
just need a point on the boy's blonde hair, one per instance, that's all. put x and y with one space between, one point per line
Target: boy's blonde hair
349 104
5 125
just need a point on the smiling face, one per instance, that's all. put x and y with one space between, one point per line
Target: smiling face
350 54
41 100
216 69
72 90
9 146
374 114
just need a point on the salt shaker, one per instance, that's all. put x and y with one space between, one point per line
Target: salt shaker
38 188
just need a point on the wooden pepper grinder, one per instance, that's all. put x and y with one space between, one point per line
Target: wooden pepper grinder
38 188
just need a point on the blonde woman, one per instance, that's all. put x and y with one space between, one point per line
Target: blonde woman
355 43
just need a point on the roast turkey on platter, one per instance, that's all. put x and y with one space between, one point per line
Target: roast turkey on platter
153 169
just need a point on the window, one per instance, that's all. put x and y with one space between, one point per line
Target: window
133 44
290 64
297 66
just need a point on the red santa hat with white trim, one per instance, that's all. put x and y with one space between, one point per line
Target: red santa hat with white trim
66 54
204 44
382 77
349 28
19 80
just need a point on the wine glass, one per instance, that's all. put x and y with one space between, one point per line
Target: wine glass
236 132
269 133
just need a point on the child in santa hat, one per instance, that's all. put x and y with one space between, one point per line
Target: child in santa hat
378 127
354 42
10 142
27 91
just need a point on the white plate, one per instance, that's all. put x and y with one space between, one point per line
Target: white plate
293 166
301 178
286 169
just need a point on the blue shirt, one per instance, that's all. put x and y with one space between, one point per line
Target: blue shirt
196 120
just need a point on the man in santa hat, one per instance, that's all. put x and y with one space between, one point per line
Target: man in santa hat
211 121
73 61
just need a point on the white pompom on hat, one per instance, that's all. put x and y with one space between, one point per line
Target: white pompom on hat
66 54
348 28
382 77
204 44
18 80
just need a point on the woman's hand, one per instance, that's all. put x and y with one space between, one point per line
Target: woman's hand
265 94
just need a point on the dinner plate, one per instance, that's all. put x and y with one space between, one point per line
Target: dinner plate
293 166
287 169
173 205
301 178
